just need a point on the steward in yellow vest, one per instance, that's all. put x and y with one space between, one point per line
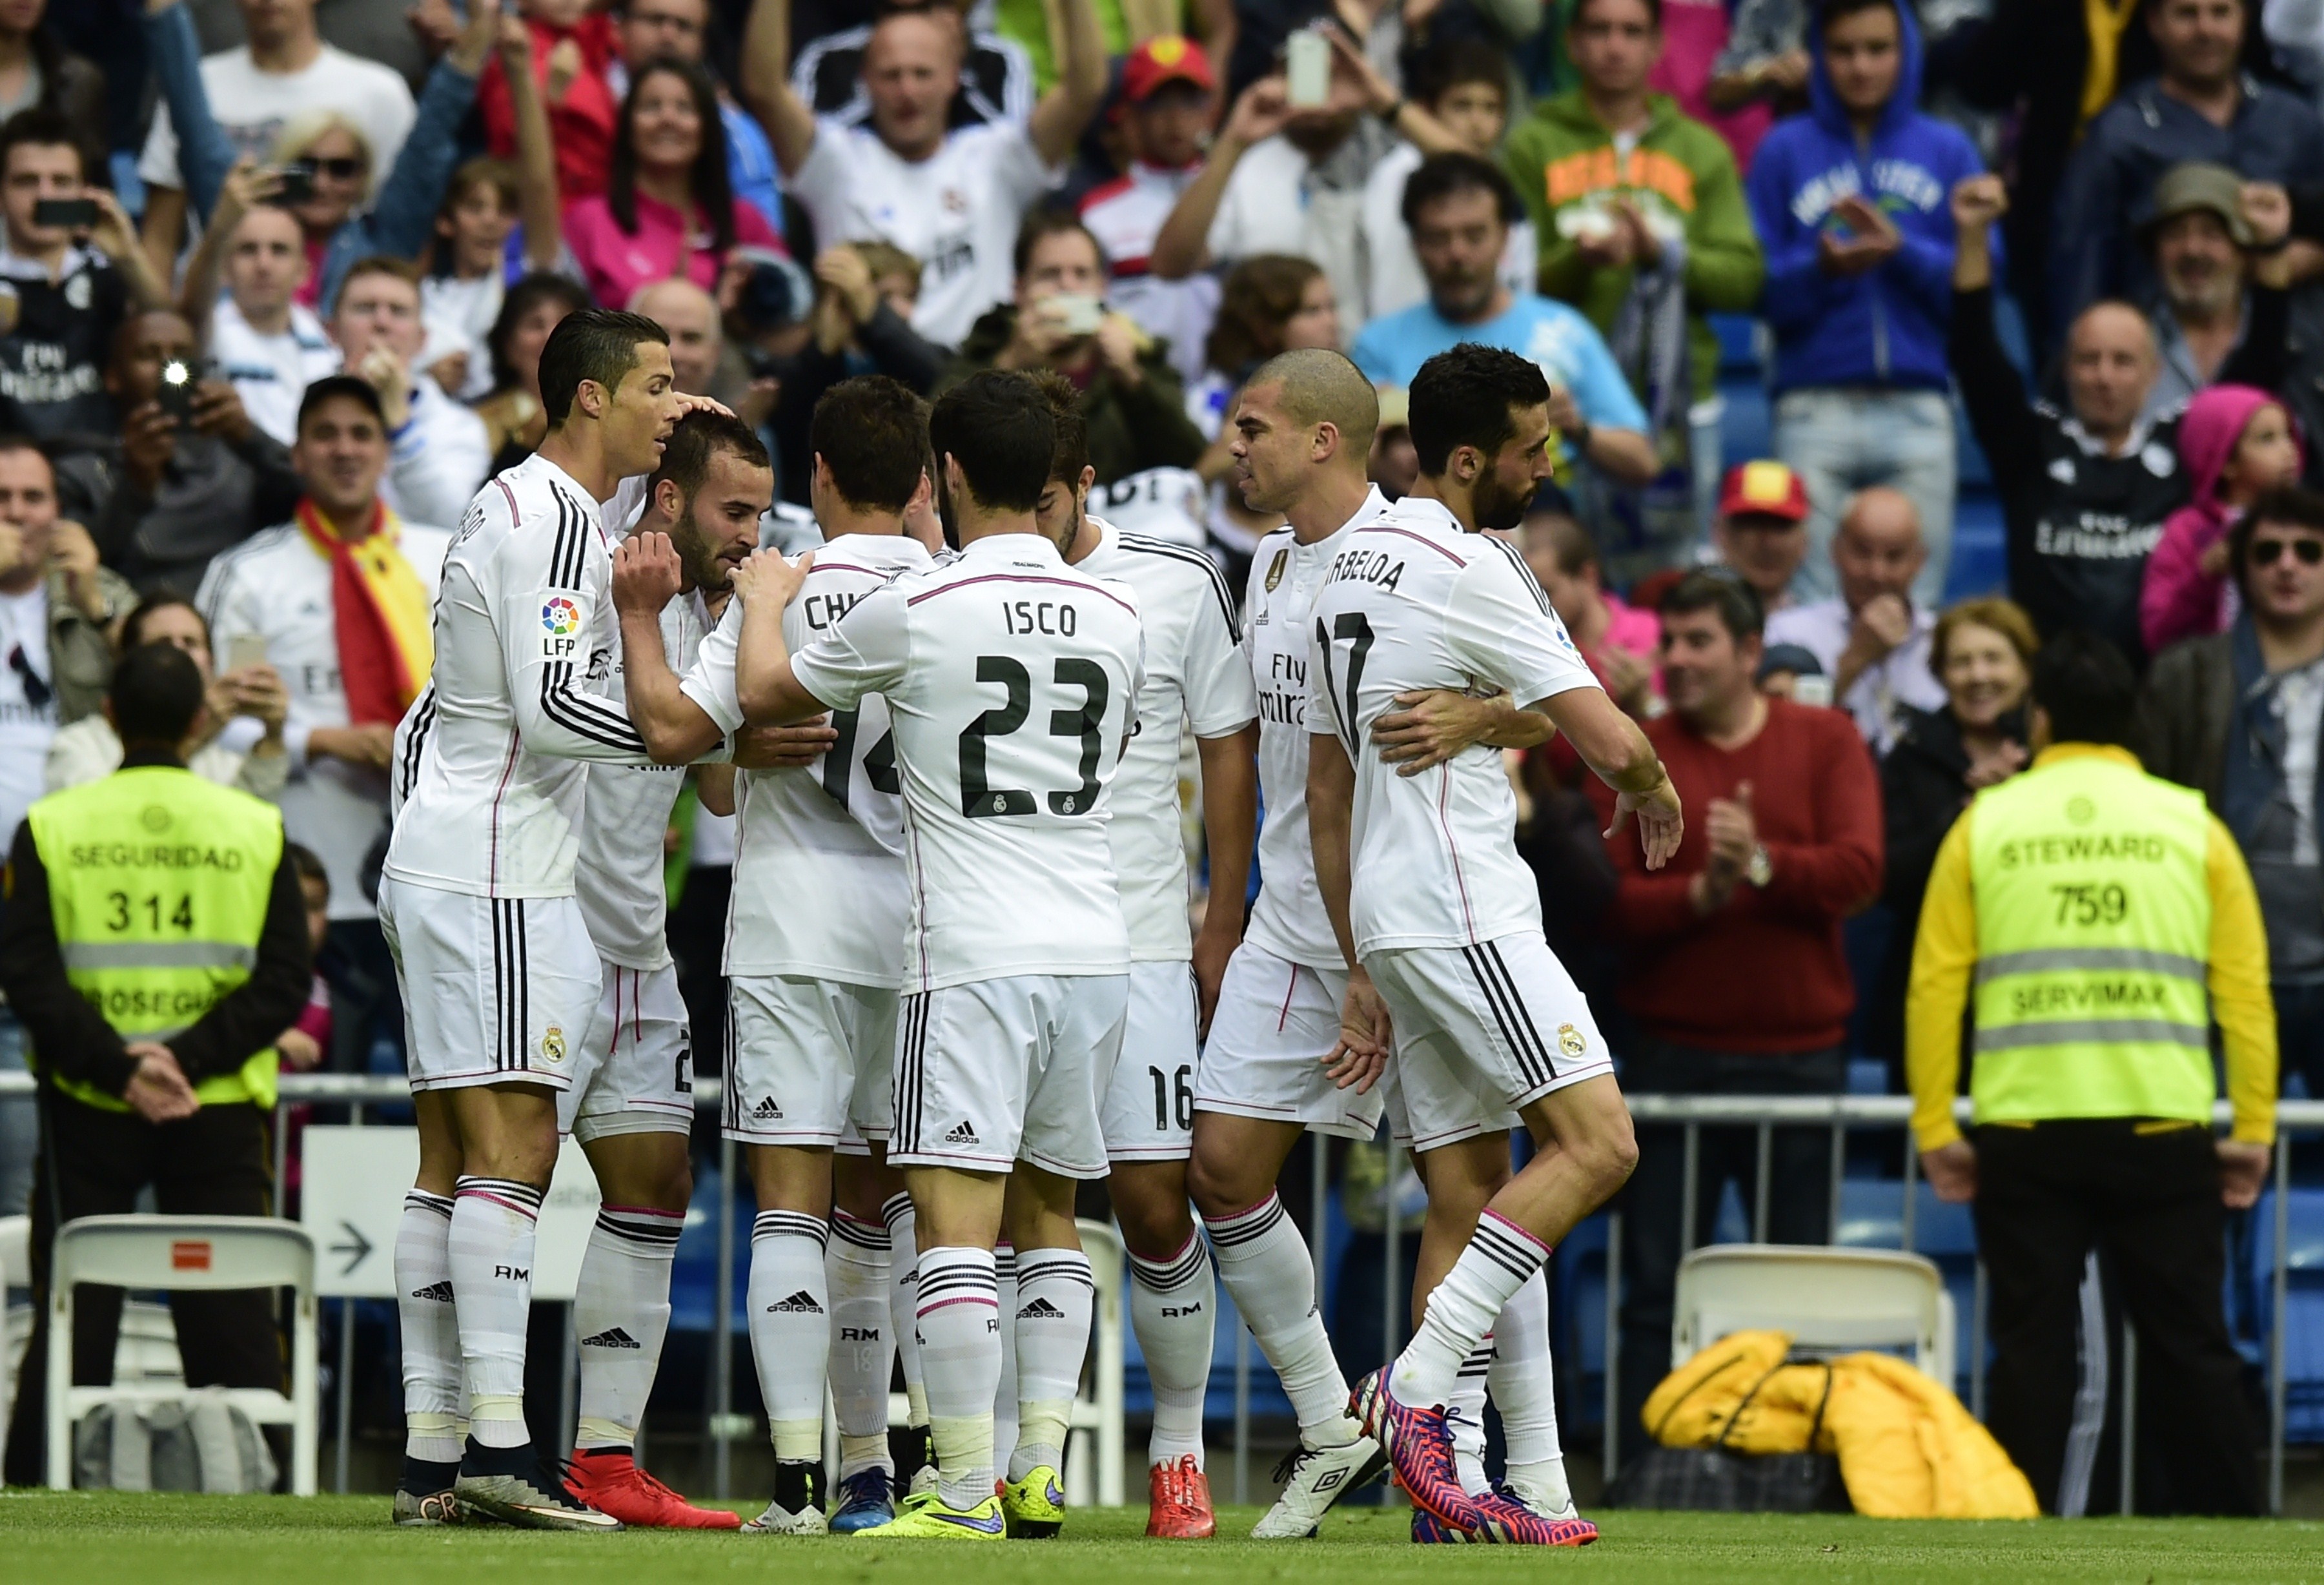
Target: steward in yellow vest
154 946
2095 923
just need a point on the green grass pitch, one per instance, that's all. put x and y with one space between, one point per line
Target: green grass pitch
101 1538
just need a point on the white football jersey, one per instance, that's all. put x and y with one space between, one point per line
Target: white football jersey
1288 919
1011 682
1194 673
1410 602
492 762
1160 503
618 874
819 864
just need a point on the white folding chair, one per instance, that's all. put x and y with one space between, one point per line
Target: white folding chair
1100 1410
1831 1301
183 1253
15 1271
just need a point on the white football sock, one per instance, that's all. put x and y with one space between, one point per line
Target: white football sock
1464 1418
863 1341
1500 1255
1264 1263
1006 1394
494 1221
1054 1297
1524 1390
903 1284
791 1328
433 1408
1173 1311
961 1330
621 1314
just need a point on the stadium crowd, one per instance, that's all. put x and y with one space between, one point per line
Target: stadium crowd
278 275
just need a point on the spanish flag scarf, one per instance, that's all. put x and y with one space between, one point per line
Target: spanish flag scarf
381 612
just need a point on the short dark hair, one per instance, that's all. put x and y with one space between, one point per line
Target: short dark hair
1046 221
132 626
403 270
42 128
16 440
707 180
1715 589
699 436
337 385
1441 176
2087 689
1581 7
157 693
591 344
524 295
1464 397
2287 506
1832 11
996 425
1072 453
1457 63
872 434
303 860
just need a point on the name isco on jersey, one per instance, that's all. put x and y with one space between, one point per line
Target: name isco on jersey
1058 618
1380 568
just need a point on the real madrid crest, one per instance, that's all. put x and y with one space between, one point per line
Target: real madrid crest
552 1043
1572 1041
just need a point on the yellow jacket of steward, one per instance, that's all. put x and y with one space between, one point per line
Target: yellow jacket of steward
153 906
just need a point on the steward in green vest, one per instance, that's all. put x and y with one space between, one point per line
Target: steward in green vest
2094 923
154 946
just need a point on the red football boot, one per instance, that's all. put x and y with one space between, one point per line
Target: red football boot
612 1483
1179 1502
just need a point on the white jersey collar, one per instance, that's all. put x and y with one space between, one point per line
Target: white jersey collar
1014 547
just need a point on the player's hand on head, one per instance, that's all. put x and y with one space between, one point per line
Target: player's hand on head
784 748
646 574
687 402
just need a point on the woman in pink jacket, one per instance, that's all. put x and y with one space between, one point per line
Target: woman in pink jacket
2236 441
668 208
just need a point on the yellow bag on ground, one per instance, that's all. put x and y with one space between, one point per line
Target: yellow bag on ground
1906 1447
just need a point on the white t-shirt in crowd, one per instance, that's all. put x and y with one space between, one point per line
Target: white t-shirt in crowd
1273 204
438 461
1392 281
459 315
25 728
618 873
1194 675
1880 692
819 885
1288 919
253 107
277 584
957 212
1155 503
1412 602
1126 216
1012 682
271 372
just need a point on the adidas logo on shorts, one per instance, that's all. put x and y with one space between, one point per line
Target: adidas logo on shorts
801 1303
766 1109
613 1337
440 1292
1041 1310
962 1134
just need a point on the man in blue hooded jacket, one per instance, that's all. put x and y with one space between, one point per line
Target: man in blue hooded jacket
1850 203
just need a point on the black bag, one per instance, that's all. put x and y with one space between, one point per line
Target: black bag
1717 1480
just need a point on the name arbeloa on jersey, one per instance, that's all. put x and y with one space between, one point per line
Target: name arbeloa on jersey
1380 567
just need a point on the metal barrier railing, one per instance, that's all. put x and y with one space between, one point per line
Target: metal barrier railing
1842 1114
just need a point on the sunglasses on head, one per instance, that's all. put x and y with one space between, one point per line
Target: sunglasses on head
339 168
2264 552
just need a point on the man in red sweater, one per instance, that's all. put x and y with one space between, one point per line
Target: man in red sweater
1732 974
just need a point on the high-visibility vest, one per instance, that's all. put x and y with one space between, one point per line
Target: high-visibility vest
2093 940
158 881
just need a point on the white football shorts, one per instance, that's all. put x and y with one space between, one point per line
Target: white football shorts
998 1070
636 1072
1277 1021
807 1060
1480 1031
496 990
1149 1109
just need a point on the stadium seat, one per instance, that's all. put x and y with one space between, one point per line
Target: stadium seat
181 1253
1829 1300
2303 1306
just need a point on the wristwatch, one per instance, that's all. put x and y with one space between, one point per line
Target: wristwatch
1761 870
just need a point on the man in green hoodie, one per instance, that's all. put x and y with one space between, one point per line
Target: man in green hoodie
1640 214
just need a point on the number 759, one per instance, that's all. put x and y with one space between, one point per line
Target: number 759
2091 905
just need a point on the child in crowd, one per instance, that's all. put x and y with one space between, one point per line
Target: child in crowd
2236 442
480 248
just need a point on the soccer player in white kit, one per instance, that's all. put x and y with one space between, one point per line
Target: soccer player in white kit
499 978
814 956
632 1102
1011 681
1196 676
1440 917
